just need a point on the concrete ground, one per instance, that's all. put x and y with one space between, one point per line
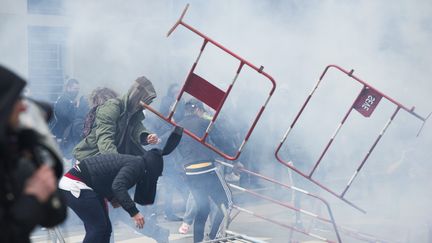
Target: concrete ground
247 224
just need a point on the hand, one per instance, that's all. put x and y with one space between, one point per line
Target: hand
152 139
42 184
139 220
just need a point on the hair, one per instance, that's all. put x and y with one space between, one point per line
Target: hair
69 82
97 97
101 94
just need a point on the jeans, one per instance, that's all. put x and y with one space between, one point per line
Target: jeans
92 210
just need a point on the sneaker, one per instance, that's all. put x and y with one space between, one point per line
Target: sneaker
184 228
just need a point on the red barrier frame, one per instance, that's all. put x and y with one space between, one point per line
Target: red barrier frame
210 94
366 87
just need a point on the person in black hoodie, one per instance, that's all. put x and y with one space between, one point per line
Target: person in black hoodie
110 176
27 187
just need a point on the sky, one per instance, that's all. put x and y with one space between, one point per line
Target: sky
386 43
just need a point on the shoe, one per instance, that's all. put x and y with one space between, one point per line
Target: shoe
184 228
173 217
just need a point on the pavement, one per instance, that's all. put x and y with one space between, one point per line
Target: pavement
257 226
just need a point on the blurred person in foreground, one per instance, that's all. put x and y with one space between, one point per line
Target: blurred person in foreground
28 166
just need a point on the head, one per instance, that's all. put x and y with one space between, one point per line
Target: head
142 90
194 107
173 89
11 105
72 88
100 95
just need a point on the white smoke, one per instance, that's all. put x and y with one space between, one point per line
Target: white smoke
386 43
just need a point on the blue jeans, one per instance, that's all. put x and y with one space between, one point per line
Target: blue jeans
92 210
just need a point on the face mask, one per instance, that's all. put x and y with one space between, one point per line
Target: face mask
73 94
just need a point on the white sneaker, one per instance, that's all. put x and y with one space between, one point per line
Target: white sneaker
184 228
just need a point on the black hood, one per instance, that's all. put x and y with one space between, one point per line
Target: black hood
11 86
145 191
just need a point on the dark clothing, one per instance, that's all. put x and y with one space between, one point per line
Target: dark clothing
112 175
64 115
92 209
204 187
19 213
78 121
203 180
189 148
68 122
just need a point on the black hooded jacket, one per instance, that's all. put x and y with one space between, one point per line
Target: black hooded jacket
19 213
112 175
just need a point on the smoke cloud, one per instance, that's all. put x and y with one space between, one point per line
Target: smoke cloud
110 43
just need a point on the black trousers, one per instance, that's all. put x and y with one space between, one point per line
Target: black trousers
93 211
205 187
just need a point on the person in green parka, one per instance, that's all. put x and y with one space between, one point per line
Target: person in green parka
117 126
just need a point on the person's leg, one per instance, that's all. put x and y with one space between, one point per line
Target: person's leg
199 192
190 210
170 183
91 209
220 195
189 215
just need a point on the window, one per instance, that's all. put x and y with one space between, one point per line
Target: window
46 55
46 7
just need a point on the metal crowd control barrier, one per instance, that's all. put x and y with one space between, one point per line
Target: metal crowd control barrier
211 95
337 228
365 103
331 220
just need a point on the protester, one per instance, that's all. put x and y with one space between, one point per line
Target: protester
203 179
65 111
118 127
173 178
110 176
27 186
